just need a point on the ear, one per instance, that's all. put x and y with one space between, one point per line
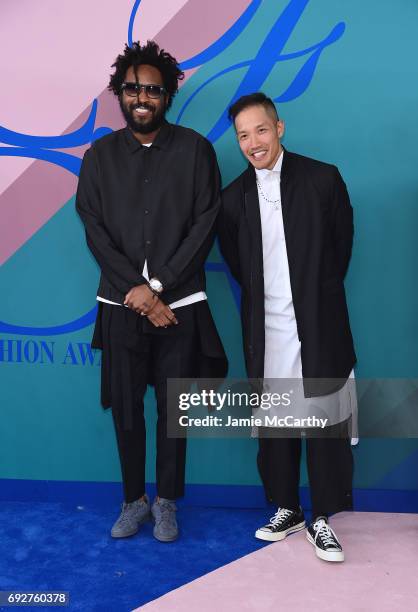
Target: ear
280 128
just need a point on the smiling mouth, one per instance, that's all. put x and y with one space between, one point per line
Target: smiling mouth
142 110
258 154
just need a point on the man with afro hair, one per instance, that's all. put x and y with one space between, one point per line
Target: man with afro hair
148 196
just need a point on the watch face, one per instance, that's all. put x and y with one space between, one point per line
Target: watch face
155 284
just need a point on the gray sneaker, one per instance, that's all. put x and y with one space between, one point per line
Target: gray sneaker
131 517
164 514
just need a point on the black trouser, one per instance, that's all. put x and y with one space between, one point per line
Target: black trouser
137 356
330 469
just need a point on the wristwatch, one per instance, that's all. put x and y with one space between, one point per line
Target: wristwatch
155 285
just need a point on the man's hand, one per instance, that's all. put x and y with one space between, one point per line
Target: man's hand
140 298
161 315
143 301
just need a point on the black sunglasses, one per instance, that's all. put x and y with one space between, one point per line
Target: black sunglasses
134 89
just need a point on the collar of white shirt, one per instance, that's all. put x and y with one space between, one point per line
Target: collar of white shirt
265 174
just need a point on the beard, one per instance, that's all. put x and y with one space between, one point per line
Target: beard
140 124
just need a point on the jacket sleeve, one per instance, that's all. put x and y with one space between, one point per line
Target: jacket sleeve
192 252
115 266
228 236
343 223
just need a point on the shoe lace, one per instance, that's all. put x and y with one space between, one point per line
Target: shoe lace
325 533
167 512
281 515
125 516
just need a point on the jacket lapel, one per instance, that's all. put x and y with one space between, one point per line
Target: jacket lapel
287 186
296 227
252 214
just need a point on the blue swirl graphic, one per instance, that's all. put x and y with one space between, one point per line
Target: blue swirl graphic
304 76
132 21
74 139
55 330
43 147
225 40
263 63
215 48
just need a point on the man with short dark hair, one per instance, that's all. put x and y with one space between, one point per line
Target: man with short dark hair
286 232
148 196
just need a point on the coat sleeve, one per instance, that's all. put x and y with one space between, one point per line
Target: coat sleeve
228 235
343 223
192 252
115 266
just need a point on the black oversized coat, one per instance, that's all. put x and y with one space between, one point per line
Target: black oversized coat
157 204
318 226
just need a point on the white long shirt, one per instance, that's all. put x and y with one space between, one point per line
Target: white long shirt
282 355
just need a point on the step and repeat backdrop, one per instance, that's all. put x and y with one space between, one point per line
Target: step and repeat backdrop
343 75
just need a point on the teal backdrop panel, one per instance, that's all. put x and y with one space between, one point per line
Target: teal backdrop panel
343 75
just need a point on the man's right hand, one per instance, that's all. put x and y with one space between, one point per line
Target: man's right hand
143 301
140 299
161 315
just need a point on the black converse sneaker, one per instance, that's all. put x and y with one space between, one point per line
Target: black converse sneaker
282 524
320 535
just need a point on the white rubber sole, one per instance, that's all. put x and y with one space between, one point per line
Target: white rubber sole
276 537
128 534
333 556
160 539
164 539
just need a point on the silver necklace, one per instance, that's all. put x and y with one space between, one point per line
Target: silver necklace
276 203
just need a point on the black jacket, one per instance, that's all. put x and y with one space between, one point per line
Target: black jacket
158 203
318 225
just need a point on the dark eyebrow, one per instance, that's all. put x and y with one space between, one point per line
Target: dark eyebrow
256 127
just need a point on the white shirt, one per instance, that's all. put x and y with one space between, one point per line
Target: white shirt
189 299
276 268
282 357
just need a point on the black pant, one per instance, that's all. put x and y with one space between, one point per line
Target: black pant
136 357
330 469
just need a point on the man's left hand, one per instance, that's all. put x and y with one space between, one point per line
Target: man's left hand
140 299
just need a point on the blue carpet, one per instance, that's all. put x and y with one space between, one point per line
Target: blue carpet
56 546
212 496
